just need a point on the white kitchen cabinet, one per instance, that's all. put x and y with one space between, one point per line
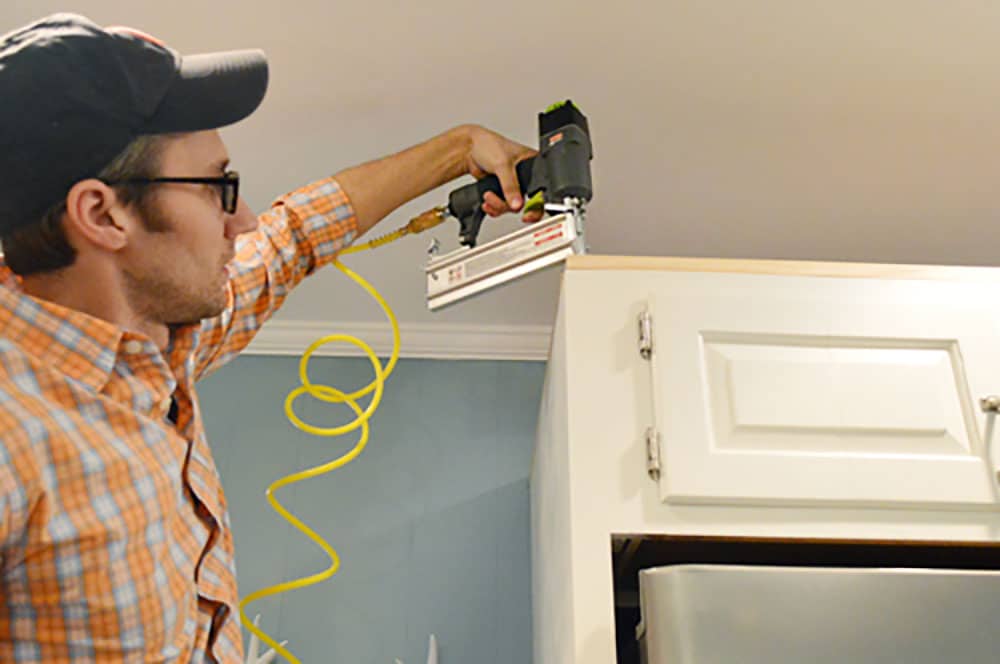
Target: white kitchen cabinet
780 400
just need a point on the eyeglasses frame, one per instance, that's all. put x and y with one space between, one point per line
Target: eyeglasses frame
228 183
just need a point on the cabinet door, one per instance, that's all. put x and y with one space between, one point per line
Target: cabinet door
777 389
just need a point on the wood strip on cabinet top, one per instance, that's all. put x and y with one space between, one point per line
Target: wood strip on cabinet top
786 267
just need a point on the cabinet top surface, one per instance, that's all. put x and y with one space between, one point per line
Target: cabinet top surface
782 267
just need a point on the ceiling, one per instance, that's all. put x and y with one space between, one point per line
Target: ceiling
855 130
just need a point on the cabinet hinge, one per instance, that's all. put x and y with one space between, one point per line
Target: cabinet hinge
646 335
653 453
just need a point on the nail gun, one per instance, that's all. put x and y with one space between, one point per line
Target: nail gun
558 178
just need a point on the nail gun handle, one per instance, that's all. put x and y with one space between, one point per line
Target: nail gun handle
466 200
465 203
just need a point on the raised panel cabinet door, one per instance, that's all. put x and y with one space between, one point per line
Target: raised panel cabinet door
814 390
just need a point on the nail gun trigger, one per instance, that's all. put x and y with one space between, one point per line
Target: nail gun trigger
535 203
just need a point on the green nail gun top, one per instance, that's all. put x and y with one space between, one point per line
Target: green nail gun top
560 171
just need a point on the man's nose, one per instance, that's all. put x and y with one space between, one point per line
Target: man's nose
241 221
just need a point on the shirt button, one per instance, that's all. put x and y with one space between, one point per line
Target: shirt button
132 346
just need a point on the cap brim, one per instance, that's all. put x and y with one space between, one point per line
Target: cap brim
211 91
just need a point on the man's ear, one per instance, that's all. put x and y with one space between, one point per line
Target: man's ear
95 215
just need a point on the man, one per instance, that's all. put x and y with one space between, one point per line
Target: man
131 269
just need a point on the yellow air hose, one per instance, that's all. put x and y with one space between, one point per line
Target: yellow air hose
333 395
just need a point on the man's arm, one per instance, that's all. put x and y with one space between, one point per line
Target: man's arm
378 187
307 228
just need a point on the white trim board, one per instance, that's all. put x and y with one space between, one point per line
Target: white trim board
417 340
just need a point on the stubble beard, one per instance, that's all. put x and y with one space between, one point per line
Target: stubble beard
157 295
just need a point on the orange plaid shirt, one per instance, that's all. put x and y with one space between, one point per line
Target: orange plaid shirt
115 544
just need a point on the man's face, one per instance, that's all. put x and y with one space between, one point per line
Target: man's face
175 265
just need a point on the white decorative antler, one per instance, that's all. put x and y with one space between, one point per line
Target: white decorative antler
254 646
432 652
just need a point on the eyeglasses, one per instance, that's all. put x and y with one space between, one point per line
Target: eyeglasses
228 184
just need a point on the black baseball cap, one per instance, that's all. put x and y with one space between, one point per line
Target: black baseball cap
73 95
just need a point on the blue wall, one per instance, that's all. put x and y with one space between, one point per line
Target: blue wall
431 521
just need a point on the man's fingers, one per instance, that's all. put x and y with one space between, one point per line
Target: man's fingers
493 205
511 189
491 199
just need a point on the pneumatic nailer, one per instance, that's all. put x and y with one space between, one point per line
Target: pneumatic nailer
558 178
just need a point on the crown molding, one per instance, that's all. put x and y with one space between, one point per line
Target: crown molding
430 340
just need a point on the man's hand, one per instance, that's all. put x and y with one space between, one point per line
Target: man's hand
490 152
378 187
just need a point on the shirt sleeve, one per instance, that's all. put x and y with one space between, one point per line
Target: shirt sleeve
303 231
5 517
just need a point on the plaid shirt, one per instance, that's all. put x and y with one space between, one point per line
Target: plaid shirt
115 544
